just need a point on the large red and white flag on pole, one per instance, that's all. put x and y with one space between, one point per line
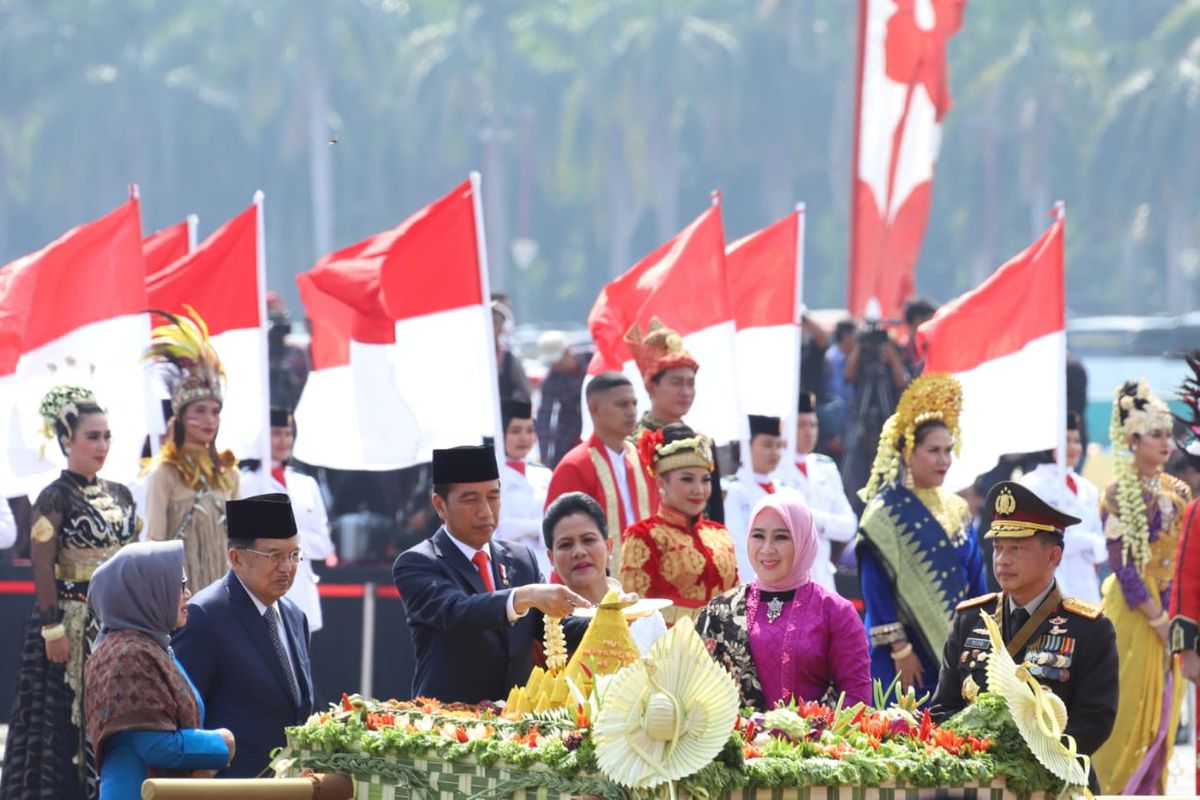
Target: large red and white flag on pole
683 284
1005 341
224 281
765 274
74 312
903 93
167 245
403 358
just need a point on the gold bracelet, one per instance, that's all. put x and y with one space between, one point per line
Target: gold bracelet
53 633
903 652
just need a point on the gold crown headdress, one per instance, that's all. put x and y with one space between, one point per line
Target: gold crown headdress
183 345
932 396
661 456
658 349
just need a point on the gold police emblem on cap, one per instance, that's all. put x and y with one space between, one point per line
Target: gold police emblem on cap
1005 502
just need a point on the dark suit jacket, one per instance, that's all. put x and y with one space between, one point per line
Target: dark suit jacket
226 650
465 648
1077 645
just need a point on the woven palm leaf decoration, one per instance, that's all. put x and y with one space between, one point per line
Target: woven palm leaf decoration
666 716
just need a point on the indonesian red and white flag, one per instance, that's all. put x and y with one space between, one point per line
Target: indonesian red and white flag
903 94
74 312
403 359
1005 341
683 284
764 272
166 246
224 281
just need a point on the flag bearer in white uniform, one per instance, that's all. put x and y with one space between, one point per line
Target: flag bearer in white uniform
308 506
523 484
1084 547
754 480
816 477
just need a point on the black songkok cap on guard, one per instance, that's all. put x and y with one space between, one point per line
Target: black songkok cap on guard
515 409
281 417
807 404
265 516
771 426
466 464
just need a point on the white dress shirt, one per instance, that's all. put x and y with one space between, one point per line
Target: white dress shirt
312 524
825 496
522 499
276 616
621 473
1084 547
469 553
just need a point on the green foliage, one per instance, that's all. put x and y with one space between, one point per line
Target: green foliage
600 128
988 716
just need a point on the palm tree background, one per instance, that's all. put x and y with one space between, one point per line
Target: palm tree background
600 128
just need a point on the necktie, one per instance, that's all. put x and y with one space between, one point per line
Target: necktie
803 466
1071 484
1018 619
519 466
769 488
278 474
271 617
485 571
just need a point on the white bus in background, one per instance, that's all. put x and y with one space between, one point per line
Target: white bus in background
1114 349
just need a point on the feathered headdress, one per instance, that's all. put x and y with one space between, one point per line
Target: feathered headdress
194 366
1189 393
932 396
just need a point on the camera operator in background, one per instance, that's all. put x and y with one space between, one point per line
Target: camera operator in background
917 311
875 368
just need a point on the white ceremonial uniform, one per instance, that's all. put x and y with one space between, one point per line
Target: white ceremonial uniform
312 523
522 499
820 484
137 488
1084 546
8 525
742 492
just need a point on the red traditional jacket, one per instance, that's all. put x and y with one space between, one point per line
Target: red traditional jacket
587 468
670 556
1185 588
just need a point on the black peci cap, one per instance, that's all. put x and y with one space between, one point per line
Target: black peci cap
759 424
466 464
807 404
265 516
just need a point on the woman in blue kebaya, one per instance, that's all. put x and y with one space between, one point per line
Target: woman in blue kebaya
144 716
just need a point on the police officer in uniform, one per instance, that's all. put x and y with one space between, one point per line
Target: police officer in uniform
1067 644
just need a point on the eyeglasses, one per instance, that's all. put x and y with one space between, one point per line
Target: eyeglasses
294 557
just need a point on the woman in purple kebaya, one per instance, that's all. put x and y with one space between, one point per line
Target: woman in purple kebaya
783 637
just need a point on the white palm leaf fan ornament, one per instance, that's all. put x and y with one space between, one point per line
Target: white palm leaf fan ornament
1040 715
666 716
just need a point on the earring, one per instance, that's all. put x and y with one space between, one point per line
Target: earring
67 450
908 480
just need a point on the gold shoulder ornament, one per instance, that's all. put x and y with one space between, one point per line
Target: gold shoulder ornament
43 530
976 601
1081 607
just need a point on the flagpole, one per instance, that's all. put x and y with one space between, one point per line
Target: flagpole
193 225
789 415
260 256
485 292
1060 215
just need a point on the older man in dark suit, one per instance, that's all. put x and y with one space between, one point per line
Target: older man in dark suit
245 646
467 596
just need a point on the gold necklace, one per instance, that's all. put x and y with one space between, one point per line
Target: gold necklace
935 500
